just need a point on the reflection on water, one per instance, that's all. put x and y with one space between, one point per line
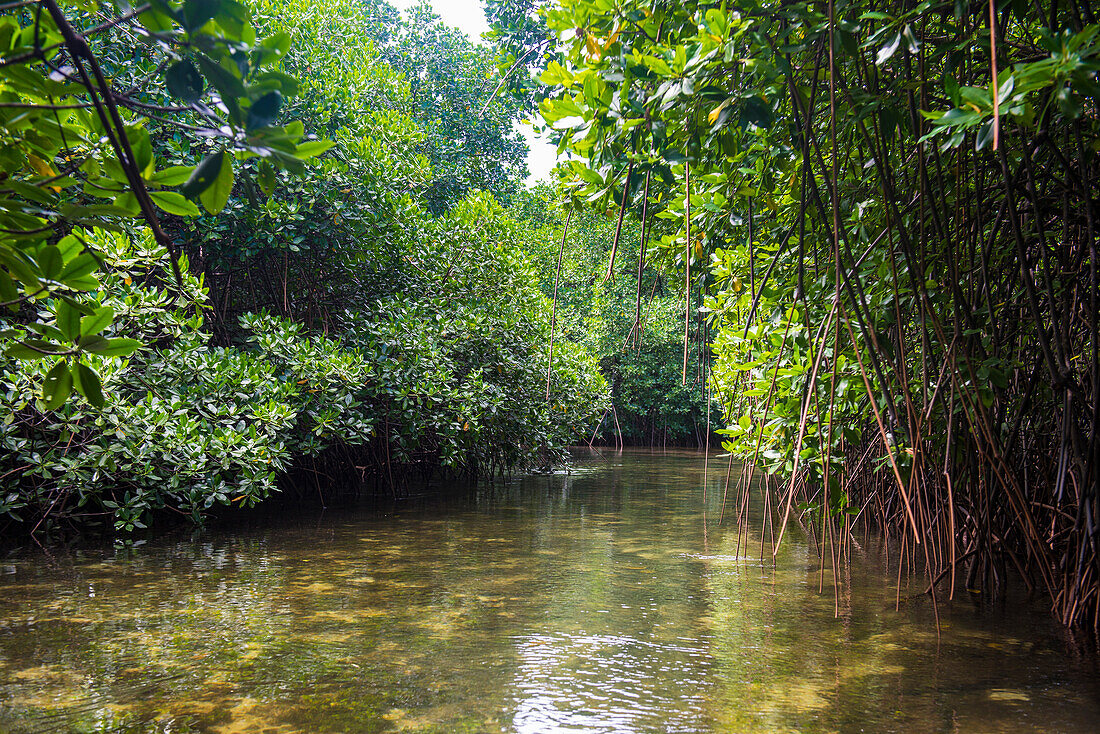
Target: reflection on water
607 683
592 602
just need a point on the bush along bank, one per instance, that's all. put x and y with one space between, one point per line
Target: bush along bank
264 258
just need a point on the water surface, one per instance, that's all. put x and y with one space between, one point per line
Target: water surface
597 601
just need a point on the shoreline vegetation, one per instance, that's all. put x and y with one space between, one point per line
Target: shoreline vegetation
279 269
249 245
888 214
330 287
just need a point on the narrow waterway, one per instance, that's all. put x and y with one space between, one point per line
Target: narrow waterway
604 600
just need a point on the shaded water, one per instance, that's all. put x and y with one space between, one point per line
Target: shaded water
594 602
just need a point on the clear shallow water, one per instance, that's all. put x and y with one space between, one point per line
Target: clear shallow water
594 602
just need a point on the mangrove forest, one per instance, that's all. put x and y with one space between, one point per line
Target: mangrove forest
773 406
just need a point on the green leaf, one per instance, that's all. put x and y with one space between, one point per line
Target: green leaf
267 177
83 283
116 347
85 308
155 21
91 343
8 291
272 48
985 135
556 75
97 322
757 112
20 350
204 175
69 246
171 176
285 83
1069 104
141 146
217 194
226 82
68 320
128 202
30 192
959 118
977 96
87 382
658 66
50 261
196 13
234 19
174 203
113 170
849 42
294 129
264 110
184 82
80 266
951 87
57 385
48 331
312 148
21 266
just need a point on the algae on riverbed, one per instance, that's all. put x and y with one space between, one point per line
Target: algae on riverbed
594 602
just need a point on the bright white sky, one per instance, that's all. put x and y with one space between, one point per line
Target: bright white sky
468 16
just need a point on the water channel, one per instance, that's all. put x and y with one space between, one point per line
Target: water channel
593 601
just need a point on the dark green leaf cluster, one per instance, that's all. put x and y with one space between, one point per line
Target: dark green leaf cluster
325 297
78 152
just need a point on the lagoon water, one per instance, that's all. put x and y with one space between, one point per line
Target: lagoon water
603 600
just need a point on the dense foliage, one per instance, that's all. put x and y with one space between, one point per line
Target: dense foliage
896 204
348 308
632 322
76 110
